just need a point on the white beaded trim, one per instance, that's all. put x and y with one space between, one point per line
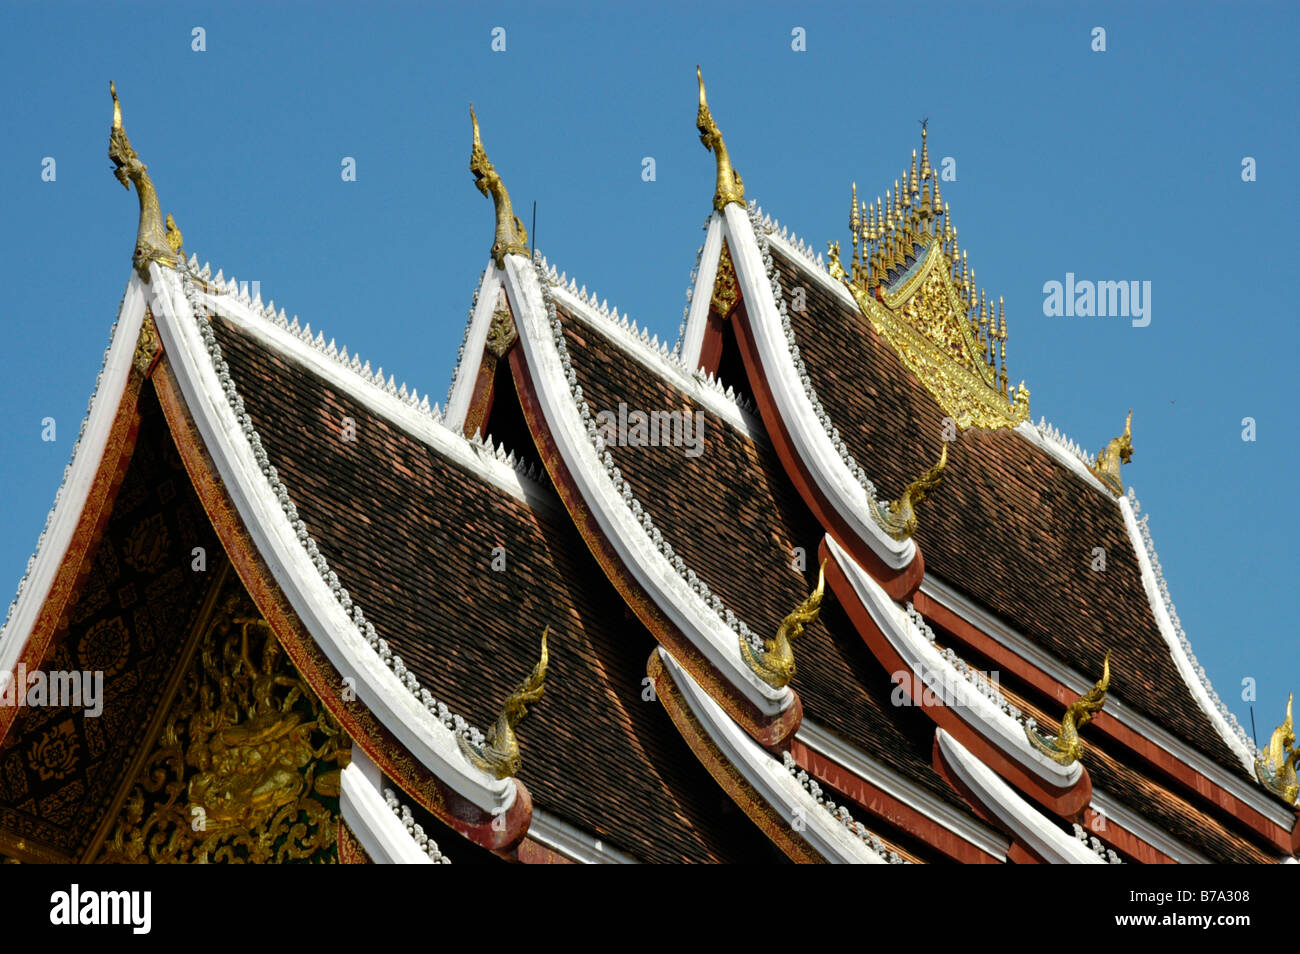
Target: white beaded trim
840 813
1099 849
413 828
966 670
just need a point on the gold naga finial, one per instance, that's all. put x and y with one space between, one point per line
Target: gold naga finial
730 188
511 237
152 241
1276 771
1118 451
776 664
898 519
1065 747
499 755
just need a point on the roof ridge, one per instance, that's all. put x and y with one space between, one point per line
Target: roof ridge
410 397
770 226
690 291
645 342
1055 436
1202 676
840 813
453 722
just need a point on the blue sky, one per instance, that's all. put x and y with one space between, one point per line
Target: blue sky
1116 165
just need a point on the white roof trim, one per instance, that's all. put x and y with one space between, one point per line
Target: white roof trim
909 793
362 806
1135 824
1199 689
968 704
682 603
492 465
574 843
78 477
814 446
1003 634
471 350
1058 451
274 536
1030 826
697 320
774 784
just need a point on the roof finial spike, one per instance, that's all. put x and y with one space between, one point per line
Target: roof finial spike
511 238
926 171
154 242
730 187
913 187
855 224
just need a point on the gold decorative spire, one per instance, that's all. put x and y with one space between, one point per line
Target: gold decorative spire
898 519
918 291
500 756
776 664
730 187
1276 771
1118 451
152 242
1065 747
511 237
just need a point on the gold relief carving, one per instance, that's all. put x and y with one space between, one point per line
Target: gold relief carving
1276 771
106 647
726 291
501 332
146 345
146 547
776 665
1065 747
500 756
1118 451
153 242
898 519
511 238
54 753
246 765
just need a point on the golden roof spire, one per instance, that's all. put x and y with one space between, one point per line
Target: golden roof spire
775 666
1065 747
510 237
1276 771
1118 451
152 241
499 756
730 187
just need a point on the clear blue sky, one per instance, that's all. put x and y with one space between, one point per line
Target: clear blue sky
1117 165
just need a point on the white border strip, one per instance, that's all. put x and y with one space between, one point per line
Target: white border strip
1036 830
362 805
971 706
774 784
881 776
462 387
428 740
1157 838
809 438
79 477
573 843
684 608
1038 657
702 295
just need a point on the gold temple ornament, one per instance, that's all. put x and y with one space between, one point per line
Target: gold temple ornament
775 665
499 756
912 284
898 519
1118 451
1276 771
730 187
154 241
1066 747
511 238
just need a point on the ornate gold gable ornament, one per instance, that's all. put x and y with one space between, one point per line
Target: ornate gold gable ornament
1066 746
500 755
776 664
1276 771
898 519
730 188
511 237
913 284
1118 451
154 242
